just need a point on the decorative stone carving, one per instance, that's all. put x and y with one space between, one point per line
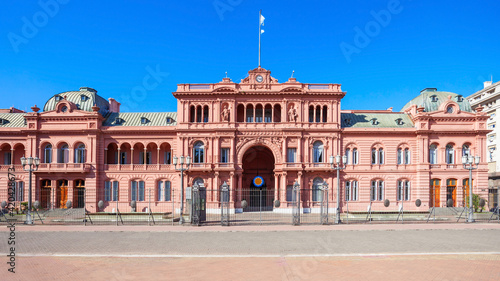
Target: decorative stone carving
292 114
225 113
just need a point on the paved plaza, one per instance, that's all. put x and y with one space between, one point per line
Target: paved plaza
342 252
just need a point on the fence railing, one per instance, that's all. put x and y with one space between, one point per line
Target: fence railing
254 206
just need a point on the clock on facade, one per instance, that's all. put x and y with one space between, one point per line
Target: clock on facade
259 78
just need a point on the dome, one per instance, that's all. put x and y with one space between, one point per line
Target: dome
84 100
431 99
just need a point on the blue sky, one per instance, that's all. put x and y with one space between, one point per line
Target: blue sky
113 45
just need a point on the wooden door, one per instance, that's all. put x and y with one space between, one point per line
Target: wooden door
435 193
62 193
451 191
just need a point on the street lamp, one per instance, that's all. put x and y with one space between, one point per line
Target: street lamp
337 165
183 167
468 161
30 164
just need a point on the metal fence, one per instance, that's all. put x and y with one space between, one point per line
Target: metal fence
223 206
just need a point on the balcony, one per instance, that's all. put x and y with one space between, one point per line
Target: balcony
200 167
64 168
138 167
317 166
17 168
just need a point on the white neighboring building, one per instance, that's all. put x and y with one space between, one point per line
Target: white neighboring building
489 99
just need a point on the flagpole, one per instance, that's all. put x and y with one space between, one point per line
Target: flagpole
260 14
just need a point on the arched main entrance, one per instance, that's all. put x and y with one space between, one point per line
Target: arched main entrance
258 161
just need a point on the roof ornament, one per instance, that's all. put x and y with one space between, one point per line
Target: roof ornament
95 108
226 74
35 109
293 71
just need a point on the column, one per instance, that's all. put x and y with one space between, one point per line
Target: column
132 157
12 156
239 189
105 156
158 158
71 186
144 157
283 186
276 187
119 160
231 186
215 188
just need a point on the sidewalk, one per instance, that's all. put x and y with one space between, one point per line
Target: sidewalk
255 228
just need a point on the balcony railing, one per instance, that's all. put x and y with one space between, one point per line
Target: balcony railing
138 167
64 167
17 167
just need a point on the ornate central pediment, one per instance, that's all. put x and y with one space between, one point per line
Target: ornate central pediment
259 78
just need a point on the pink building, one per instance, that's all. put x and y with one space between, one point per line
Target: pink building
283 132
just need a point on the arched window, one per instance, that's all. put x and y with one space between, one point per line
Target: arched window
164 190
403 191
240 117
377 190
400 156
311 114
466 150
277 113
318 152
198 113
199 181
433 154
347 152
355 156
199 152
192 113
258 113
47 154
325 114
80 154
205 114
351 190
110 191
268 113
249 113
318 114
137 190
450 154
64 154
407 156
317 192
377 156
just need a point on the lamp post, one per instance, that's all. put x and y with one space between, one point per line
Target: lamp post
336 164
468 161
183 167
30 164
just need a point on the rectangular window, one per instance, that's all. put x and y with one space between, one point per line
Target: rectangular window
133 191
399 193
141 191
7 158
380 191
107 191
291 155
373 191
381 156
141 157
224 155
347 190
407 156
347 152
167 157
407 191
123 158
48 155
400 157
115 191
374 156
354 191
355 156
289 193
